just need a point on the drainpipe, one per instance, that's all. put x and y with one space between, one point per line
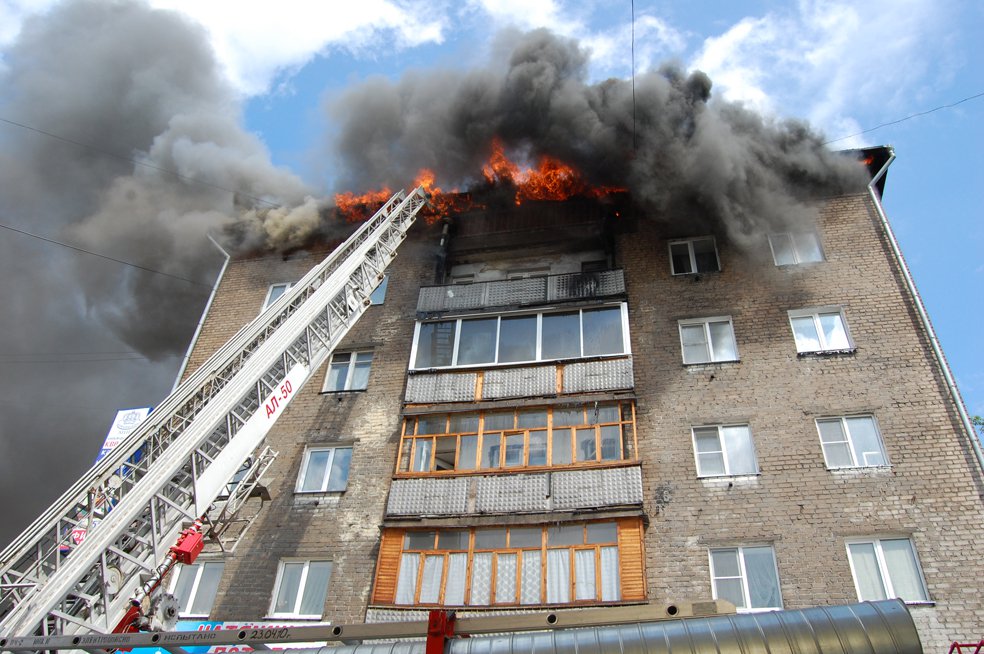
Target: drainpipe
923 316
201 321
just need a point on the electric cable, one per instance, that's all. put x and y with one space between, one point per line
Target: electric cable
103 256
909 117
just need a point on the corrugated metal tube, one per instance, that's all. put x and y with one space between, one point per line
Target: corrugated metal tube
868 628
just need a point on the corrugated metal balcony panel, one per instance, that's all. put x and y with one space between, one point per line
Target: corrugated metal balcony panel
523 493
585 489
447 496
441 387
521 292
519 382
603 375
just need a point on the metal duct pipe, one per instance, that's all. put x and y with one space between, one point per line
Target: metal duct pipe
883 627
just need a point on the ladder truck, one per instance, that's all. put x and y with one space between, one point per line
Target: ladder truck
134 506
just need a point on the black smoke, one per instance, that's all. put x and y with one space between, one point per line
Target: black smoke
679 152
144 154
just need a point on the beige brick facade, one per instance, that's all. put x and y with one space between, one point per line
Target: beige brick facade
931 491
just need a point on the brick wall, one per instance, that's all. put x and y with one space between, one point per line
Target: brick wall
931 492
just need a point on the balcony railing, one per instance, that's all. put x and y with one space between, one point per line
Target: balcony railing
521 292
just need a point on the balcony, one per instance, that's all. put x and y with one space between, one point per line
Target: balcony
561 490
521 292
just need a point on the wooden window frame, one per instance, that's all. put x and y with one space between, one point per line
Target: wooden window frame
407 452
628 544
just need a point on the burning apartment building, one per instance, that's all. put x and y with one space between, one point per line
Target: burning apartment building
567 403
677 360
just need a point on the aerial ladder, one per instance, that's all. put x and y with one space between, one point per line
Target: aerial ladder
90 562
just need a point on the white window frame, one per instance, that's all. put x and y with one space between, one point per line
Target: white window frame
886 577
850 442
706 322
744 576
267 302
302 473
797 255
199 569
693 259
815 313
349 373
538 355
724 451
300 589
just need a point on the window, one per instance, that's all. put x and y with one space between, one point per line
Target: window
747 577
301 589
790 248
521 338
724 450
379 294
194 586
693 255
520 565
275 291
851 442
708 340
886 567
324 470
820 330
348 371
518 438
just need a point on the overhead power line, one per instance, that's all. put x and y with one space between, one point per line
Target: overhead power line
909 117
137 162
103 256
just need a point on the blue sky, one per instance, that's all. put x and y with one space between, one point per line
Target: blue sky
843 66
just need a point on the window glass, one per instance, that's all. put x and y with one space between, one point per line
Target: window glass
431 424
680 258
558 576
561 449
422 449
314 473
498 421
568 417
694 343
746 576
444 453
525 537
705 255
290 581
611 437
531 575
738 445
452 539
360 371
833 331
782 249
208 584
808 247
419 540
477 341
722 341
514 450
565 535
338 478
865 440
435 344
481 586
490 539
866 572
561 336
338 371
517 339
531 418
586 447
406 585
379 295
602 532
851 442
538 448
464 422
315 588
836 449
467 452
584 575
602 331
490 450
763 584
710 455
805 331
605 413
900 560
454 592
505 578
430 580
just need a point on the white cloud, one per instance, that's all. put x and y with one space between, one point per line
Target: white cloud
831 60
254 41
13 13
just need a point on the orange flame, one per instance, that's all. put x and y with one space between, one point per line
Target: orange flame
552 179
356 208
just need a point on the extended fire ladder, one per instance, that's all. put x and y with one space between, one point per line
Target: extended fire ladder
133 504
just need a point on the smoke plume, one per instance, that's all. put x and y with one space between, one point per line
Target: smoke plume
682 156
144 154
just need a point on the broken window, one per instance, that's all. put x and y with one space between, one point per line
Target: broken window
791 248
693 255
